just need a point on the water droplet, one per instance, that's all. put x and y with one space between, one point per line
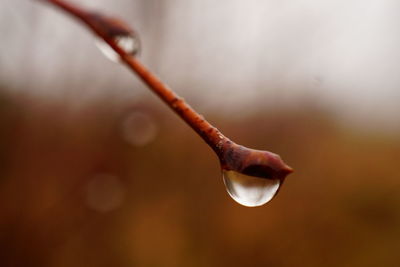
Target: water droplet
248 190
129 43
139 129
104 193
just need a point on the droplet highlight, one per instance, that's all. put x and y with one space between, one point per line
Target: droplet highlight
250 191
139 129
104 193
129 43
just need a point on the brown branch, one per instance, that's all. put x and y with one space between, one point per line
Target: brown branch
234 157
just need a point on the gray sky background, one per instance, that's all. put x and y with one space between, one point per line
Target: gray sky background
224 55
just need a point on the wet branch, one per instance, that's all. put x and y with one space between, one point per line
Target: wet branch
257 163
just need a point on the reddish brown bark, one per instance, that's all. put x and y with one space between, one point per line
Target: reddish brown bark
252 162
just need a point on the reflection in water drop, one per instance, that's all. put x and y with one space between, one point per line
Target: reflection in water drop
250 191
104 193
129 43
139 129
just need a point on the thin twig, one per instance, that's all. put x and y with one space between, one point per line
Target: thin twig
209 133
232 156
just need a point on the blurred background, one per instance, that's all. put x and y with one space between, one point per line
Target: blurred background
96 171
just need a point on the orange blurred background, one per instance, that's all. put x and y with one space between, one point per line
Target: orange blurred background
96 171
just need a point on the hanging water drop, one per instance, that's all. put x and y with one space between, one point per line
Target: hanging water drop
128 42
248 190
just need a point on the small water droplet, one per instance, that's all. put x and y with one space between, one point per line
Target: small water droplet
139 129
129 43
248 190
104 193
